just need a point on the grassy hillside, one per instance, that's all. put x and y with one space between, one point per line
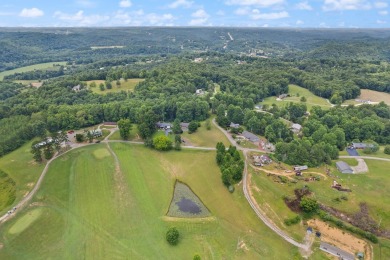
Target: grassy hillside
21 168
41 66
89 209
128 85
296 93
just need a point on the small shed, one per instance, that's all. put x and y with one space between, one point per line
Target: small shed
343 167
300 168
250 136
96 133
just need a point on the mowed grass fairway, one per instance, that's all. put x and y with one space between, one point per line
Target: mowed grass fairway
87 208
293 90
40 66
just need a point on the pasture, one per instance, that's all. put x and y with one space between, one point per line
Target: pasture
125 85
40 66
87 208
206 138
296 93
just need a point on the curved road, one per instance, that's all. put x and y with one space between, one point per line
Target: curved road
253 205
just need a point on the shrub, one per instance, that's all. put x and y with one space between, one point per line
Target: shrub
162 143
387 149
172 236
192 127
308 205
292 221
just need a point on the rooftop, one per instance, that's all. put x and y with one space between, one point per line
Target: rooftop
343 166
250 136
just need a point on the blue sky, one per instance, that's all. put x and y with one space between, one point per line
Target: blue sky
254 13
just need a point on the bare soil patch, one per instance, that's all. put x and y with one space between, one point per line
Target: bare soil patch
341 239
361 167
374 96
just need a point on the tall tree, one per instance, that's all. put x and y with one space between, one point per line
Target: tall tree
124 128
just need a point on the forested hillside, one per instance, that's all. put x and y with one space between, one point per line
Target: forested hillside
174 63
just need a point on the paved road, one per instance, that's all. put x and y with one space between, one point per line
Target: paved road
253 205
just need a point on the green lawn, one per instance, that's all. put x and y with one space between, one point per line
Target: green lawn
20 166
294 90
88 209
41 66
128 85
206 138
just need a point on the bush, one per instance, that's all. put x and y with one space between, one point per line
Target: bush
172 236
387 149
192 127
79 138
197 257
308 205
162 143
303 99
292 221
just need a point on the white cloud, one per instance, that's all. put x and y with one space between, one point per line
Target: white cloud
256 15
303 6
180 3
32 12
262 3
79 19
299 22
242 11
125 3
383 12
380 22
265 25
200 18
140 18
339 5
380 4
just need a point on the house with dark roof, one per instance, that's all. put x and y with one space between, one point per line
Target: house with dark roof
343 167
250 136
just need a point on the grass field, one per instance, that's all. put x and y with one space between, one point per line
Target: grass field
372 95
293 90
206 138
87 208
128 85
21 168
41 66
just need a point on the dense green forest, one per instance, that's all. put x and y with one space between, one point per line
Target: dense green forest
174 63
